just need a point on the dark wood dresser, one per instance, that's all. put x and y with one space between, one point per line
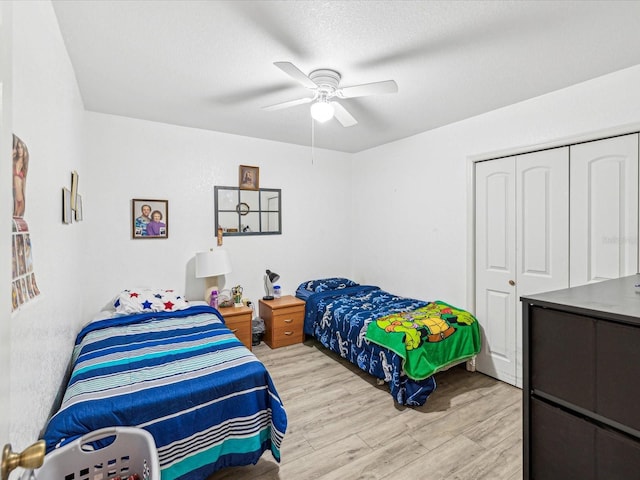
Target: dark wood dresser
581 382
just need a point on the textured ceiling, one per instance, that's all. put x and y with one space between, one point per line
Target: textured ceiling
209 64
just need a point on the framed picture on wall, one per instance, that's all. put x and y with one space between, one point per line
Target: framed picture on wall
78 208
149 218
249 178
66 205
74 189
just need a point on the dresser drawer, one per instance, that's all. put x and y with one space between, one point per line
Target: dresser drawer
562 445
562 361
617 373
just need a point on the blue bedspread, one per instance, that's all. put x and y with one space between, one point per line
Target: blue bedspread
184 377
339 320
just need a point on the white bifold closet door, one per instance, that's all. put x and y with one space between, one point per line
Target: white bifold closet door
522 247
604 209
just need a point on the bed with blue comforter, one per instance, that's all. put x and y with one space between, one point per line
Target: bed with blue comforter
184 377
400 340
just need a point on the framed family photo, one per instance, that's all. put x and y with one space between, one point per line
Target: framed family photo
149 218
249 178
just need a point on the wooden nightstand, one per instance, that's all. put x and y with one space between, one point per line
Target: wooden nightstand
238 320
283 321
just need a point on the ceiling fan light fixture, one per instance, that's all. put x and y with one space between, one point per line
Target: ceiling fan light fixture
322 110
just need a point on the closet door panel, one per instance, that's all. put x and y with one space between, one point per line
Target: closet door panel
542 211
496 267
604 209
543 220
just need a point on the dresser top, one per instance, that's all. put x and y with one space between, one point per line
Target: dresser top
617 299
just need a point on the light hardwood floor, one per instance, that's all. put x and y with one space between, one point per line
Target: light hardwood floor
344 426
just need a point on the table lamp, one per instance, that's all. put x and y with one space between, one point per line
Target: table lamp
269 278
210 265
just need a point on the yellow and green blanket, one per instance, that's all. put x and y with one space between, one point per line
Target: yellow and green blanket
428 338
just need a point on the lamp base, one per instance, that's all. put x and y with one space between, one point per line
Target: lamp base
268 297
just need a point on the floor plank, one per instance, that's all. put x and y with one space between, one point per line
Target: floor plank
342 425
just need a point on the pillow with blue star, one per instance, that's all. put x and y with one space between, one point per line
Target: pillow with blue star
140 300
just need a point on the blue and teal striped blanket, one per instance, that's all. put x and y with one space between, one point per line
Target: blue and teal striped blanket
184 377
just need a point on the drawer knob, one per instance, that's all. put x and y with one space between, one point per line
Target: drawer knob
512 283
288 333
288 320
234 331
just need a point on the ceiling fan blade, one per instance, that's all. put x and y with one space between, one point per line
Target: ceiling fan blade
342 115
375 88
295 73
290 103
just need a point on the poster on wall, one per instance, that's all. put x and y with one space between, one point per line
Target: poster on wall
24 287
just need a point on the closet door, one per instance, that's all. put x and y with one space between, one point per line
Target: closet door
604 209
542 236
522 247
496 267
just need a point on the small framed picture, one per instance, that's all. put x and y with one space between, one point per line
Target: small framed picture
249 178
78 208
149 218
66 205
74 189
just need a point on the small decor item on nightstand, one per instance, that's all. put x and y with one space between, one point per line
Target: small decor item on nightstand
277 291
225 299
236 293
213 300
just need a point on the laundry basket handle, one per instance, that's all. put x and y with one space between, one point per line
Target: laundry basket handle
99 435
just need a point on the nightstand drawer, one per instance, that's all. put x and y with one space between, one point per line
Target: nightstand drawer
238 320
294 311
281 337
241 328
287 319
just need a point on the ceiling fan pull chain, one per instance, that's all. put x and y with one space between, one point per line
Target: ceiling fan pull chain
313 136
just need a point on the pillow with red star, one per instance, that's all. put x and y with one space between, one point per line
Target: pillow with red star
139 300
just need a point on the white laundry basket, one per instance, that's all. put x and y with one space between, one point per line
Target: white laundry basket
132 451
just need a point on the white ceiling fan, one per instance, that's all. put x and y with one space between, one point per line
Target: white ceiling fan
325 85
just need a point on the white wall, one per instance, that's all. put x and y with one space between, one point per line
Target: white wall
411 195
138 159
48 115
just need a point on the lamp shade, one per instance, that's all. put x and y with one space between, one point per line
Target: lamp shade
273 276
269 278
212 263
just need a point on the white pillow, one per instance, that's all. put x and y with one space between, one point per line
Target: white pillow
139 300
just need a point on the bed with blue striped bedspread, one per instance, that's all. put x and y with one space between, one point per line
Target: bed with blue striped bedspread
184 377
